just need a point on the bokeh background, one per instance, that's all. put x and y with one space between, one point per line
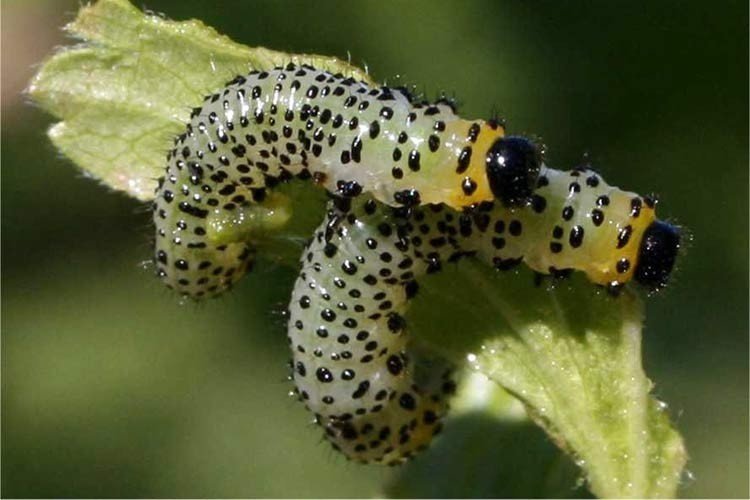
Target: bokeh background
111 387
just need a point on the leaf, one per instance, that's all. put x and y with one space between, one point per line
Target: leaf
128 90
491 450
570 353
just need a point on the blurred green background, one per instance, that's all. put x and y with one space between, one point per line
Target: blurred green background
111 387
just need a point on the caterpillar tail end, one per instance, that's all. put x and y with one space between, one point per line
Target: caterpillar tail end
403 426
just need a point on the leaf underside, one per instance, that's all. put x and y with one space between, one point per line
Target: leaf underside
570 354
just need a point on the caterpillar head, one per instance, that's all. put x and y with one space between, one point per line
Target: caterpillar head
657 254
513 165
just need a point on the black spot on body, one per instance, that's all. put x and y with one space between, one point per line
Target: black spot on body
464 159
623 265
413 161
623 236
597 217
468 186
538 203
576 236
407 402
361 389
324 375
407 197
433 143
568 213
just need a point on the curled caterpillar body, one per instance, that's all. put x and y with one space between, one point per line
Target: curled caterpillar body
344 135
351 362
347 330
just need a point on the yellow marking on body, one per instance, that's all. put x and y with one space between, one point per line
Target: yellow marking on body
605 272
476 171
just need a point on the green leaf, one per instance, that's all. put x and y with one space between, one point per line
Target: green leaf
570 354
128 90
490 450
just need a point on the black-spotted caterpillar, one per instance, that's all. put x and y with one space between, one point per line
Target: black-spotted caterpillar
433 187
340 133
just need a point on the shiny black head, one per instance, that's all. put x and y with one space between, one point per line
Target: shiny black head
512 169
657 254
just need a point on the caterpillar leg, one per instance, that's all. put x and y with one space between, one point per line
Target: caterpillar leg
202 251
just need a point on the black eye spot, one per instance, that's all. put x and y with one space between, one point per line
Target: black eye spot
513 165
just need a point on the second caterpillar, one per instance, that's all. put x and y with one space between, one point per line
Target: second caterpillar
353 364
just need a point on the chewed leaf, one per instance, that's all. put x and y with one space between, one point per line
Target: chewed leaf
128 90
572 355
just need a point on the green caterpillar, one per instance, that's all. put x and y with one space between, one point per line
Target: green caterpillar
414 186
341 134
347 331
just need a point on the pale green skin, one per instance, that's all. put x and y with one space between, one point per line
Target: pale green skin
261 128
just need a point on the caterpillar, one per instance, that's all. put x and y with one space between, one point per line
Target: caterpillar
413 186
343 135
352 361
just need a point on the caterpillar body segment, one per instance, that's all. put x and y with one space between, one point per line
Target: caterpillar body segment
353 366
575 221
341 134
